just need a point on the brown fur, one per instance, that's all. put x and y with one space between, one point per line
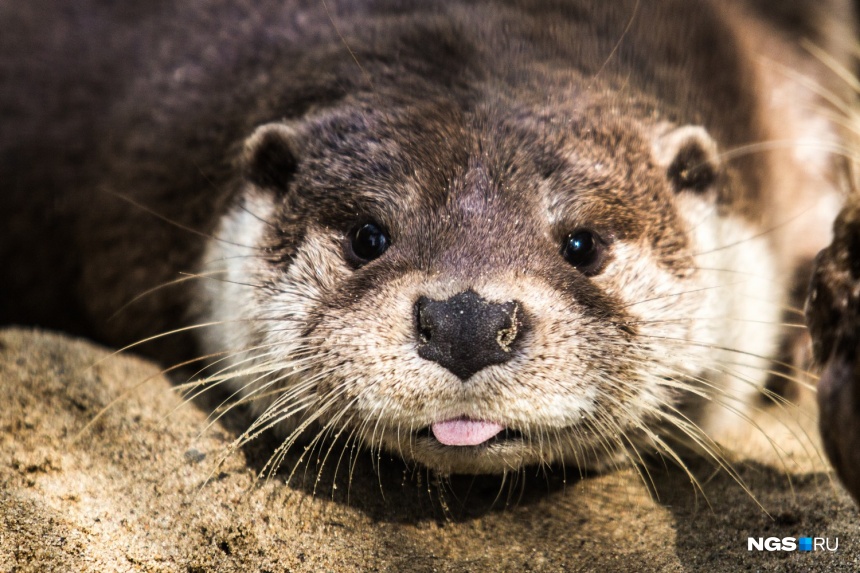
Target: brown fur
832 311
478 134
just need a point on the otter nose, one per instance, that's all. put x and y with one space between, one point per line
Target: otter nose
466 333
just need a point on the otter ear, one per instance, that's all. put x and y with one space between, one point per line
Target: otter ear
269 157
689 156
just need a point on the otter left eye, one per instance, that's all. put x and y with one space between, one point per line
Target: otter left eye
368 242
582 249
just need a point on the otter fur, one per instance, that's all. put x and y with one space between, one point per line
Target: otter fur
479 235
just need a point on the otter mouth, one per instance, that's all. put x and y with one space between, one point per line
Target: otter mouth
465 432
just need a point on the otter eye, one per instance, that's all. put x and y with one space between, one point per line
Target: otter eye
368 242
582 249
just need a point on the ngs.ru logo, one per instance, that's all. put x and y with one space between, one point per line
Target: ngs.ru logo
805 544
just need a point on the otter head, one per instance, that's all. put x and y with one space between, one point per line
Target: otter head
479 289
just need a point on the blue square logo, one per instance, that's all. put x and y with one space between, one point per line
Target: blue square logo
805 544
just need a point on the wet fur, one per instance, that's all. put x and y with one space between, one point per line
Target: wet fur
143 164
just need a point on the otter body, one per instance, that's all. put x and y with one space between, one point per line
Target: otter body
480 235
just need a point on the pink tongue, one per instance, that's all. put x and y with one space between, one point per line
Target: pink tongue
463 432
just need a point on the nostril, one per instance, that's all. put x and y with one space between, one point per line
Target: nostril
508 334
423 320
425 333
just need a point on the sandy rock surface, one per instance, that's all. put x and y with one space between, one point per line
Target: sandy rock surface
142 489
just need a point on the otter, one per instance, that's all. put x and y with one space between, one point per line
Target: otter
833 315
478 235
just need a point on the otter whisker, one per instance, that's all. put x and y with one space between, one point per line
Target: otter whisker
319 410
710 346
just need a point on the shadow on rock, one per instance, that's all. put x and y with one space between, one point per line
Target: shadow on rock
387 488
713 524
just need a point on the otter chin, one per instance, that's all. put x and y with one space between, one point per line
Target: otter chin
477 235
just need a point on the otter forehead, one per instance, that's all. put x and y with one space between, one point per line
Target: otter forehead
465 190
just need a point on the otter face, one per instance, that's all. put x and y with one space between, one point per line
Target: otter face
490 291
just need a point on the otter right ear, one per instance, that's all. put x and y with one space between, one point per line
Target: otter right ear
269 157
689 155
